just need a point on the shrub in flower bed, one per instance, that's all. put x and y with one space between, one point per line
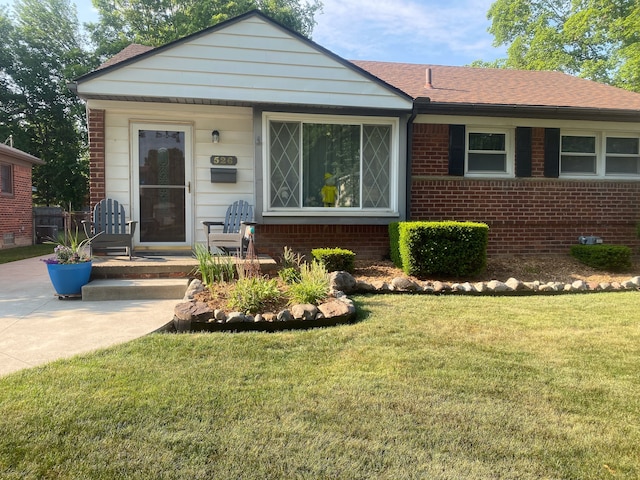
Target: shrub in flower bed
615 258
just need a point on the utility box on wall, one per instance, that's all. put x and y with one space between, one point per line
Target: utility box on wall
224 175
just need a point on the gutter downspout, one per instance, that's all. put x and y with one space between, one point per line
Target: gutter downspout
409 181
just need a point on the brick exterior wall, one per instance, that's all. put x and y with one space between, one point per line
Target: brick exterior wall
369 242
16 211
525 215
97 189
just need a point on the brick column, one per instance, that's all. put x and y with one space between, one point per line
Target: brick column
97 189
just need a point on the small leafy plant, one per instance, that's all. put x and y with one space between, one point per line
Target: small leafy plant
291 262
313 286
254 294
70 248
213 268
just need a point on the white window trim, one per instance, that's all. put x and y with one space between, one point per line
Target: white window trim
601 154
509 139
597 153
604 155
268 117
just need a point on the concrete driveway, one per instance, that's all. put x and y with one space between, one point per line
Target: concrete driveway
36 327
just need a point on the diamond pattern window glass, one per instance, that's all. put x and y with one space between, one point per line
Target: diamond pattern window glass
376 166
319 165
285 164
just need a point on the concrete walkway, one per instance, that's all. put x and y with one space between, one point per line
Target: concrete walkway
36 327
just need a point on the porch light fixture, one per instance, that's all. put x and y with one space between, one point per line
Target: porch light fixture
215 136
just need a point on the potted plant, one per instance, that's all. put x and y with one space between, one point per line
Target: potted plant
70 267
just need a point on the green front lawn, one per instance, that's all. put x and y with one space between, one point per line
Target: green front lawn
20 253
423 387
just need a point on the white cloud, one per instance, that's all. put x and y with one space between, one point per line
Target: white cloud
427 31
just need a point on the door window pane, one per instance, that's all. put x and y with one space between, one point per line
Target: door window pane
162 186
285 164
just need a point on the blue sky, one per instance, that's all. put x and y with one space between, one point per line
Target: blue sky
440 32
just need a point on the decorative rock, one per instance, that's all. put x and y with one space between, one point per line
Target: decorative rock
305 311
258 318
629 285
343 281
579 286
236 317
335 309
364 287
196 286
192 311
615 286
567 287
514 284
428 288
404 284
480 287
219 315
556 286
635 281
605 287
497 286
284 316
440 287
545 288
381 286
269 317
468 288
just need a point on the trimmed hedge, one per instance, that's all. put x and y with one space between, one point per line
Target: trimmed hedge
335 259
614 258
443 248
394 243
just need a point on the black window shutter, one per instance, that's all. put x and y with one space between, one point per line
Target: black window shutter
551 152
456 150
523 151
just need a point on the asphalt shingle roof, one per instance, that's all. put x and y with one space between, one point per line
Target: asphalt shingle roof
491 86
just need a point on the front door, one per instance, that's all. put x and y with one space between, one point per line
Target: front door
162 185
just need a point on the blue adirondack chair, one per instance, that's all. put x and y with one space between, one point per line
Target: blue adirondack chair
110 222
230 234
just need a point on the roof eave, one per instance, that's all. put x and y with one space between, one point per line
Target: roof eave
19 155
527 111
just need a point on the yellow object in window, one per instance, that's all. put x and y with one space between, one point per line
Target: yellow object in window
329 192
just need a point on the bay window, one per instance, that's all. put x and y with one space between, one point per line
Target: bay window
315 163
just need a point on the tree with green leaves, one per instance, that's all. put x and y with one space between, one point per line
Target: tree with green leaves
594 39
157 22
41 51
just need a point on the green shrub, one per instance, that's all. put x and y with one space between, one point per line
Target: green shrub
335 259
394 244
443 248
254 294
213 268
313 285
614 258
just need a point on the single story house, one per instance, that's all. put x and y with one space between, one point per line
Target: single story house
330 152
16 188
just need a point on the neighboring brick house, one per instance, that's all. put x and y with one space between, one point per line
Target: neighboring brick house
542 157
16 207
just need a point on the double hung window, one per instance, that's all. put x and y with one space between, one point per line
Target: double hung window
489 153
323 162
622 156
578 155
6 179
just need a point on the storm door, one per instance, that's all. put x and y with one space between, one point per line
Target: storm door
162 184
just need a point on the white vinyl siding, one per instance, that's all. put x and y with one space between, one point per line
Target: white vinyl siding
210 200
248 61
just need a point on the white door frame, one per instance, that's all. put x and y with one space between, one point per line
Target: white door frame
187 128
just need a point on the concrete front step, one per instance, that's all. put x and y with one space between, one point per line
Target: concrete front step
135 289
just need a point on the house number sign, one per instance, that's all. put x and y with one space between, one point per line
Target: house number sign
224 160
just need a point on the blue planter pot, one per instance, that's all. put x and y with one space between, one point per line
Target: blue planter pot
69 279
